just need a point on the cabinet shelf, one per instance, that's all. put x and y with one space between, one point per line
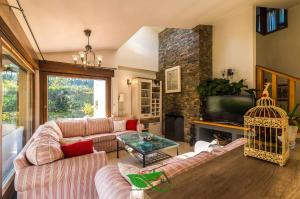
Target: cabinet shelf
146 99
150 112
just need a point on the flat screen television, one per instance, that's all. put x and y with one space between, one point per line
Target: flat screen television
227 109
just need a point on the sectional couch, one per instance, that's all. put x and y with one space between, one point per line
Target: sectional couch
66 178
100 130
110 184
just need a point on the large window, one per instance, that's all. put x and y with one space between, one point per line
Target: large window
75 97
15 109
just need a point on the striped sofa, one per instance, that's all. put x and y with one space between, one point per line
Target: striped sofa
111 185
100 130
69 178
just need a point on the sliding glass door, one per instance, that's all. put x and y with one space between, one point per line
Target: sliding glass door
72 97
15 109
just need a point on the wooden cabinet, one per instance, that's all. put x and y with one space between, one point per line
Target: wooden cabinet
147 102
141 98
156 98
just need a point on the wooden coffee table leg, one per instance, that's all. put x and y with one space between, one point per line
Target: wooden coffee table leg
117 149
177 150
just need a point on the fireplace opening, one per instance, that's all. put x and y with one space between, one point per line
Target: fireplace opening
174 127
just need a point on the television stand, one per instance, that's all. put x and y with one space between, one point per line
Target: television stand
205 130
230 123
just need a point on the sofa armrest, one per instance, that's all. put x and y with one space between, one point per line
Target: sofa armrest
80 169
110 184
234 144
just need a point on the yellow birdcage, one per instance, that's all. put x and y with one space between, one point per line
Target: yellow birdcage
266 131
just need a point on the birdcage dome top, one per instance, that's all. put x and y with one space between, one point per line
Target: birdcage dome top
265 107
267 112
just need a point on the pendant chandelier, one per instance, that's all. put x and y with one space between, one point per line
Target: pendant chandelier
88 57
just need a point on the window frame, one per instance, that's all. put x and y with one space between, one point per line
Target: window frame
26 66
70 70
13 40
44 91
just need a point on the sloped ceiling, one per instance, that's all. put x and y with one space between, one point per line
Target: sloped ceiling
59 24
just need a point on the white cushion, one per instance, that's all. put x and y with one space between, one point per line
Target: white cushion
205 146
119 125
201 146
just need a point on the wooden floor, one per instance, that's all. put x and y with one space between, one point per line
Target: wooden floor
125 157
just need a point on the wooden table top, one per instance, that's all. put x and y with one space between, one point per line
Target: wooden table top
197 121
233 176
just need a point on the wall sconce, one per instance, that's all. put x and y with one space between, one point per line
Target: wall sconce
129 82
228 73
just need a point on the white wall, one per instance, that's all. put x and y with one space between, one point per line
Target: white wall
141 50
234 44
122 74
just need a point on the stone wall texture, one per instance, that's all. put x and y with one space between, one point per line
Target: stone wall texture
191 49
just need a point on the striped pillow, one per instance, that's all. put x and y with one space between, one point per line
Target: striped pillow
99 126
52 125
44 149
72 127
49 132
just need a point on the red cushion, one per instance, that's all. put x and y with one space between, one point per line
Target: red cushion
78 148
131 125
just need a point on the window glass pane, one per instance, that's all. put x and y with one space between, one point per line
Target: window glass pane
12 76
75 97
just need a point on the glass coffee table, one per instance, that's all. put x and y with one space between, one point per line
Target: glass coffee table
147 151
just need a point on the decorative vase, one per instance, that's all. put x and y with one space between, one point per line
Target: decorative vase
292 136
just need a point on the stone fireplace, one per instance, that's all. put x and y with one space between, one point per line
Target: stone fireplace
192 50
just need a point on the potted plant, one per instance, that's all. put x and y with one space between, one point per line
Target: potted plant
219 86
294 125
